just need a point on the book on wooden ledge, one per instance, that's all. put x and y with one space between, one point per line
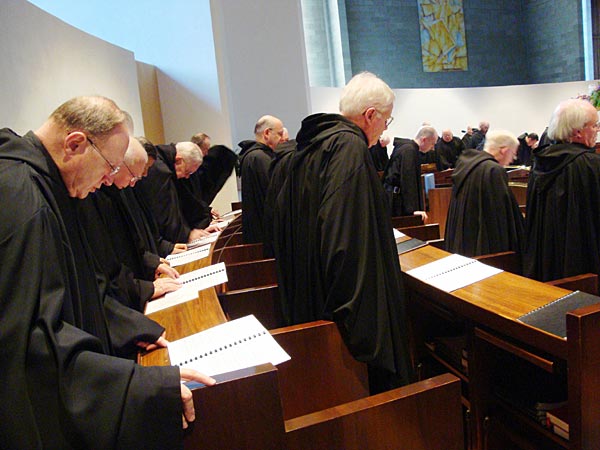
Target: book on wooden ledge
453 272
552 316
191 283
231 346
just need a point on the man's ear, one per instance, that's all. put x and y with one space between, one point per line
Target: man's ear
75 143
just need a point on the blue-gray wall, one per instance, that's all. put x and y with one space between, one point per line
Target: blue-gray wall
508 42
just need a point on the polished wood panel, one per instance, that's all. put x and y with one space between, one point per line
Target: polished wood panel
587 282
439 201
443 178
262 301
242 411
407 221
241 253
251 274
421 416
428 232
509 261
321 373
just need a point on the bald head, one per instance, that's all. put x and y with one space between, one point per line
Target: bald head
269 131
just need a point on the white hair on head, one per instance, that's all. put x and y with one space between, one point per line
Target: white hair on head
190 152
426 132
569 115
135 153
363 91
499 139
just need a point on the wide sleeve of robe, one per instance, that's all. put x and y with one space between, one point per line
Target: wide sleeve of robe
58 389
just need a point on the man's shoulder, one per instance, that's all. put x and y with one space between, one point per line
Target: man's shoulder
22 192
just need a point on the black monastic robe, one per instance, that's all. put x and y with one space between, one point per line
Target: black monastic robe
255 161
159 191
563 212
61 387
197 192
334 245
448 152
483 216
404 173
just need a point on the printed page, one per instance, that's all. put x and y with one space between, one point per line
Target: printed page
234 345
188 256
203 241
453 272
192 283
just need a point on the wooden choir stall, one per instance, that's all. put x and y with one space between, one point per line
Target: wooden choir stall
319 398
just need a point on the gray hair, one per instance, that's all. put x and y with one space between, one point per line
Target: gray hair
426 132
568 116
190 152
135 153
95 115
499 139
363 91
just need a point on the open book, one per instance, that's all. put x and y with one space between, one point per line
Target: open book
212 237
233 345
453 272
192 282
179 259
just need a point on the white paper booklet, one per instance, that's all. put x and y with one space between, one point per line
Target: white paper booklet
231 213
223 223
192 283
179 259
233 345
453 272
203 241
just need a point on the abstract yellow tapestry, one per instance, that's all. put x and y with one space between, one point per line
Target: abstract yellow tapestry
443 42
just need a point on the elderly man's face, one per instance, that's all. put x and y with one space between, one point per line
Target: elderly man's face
507 155
376 122
447 136
96 166
273 135
184 169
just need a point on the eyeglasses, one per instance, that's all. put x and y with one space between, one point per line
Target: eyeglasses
134 178
388 121
113 169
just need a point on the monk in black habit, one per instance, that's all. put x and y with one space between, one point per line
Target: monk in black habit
334 245
563 197
197 192
402 177
484 216
63 386
116 241
159 190
255 159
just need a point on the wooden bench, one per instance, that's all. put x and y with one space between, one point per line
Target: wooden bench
586 282
423 232
244 275
262 301
509 261
240 253
264 408
406 221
